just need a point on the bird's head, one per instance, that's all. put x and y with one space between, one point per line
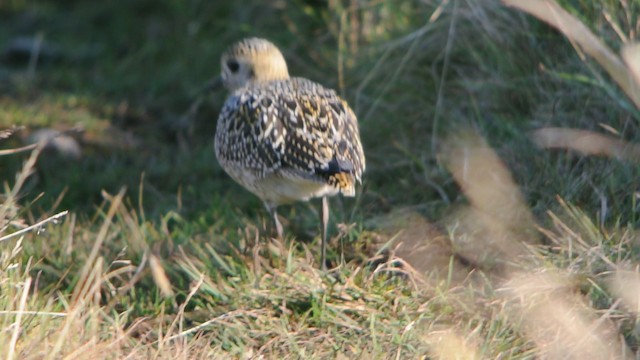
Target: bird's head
252 60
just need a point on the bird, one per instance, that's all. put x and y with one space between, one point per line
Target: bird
285 139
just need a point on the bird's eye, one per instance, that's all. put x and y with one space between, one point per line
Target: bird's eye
233 66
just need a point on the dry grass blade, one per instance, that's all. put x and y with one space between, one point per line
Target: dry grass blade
626 285
102 235
21 178
558 320
553 14
631 57
55 218
420 243
17 325
484 178
449 345
82 318
18 150
586 142
498 223
160 276
179 320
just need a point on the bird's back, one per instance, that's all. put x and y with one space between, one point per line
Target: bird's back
290 132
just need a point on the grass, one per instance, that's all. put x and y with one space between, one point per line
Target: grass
481 230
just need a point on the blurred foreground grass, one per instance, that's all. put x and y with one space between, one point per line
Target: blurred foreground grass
469 239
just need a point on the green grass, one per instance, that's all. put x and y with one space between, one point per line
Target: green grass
467 239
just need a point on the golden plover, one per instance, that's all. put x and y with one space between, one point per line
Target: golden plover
285 138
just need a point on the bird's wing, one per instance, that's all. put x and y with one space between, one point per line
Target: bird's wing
297 126
322 131
244 121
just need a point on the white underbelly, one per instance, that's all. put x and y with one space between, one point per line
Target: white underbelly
282 190
279 188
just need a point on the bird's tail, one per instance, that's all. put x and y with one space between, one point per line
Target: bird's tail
345 182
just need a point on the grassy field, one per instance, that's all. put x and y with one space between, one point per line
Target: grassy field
482 229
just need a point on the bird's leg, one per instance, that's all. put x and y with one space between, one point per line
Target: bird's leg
273 210
325 223
278 224
280 239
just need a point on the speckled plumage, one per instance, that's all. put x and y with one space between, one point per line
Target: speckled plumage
282 138
293 128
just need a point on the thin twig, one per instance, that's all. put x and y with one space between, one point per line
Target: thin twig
35 226
31 312
204 325
18 150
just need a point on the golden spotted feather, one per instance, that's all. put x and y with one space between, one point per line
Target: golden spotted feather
291 129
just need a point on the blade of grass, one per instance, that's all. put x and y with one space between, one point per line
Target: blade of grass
17 324
578 34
